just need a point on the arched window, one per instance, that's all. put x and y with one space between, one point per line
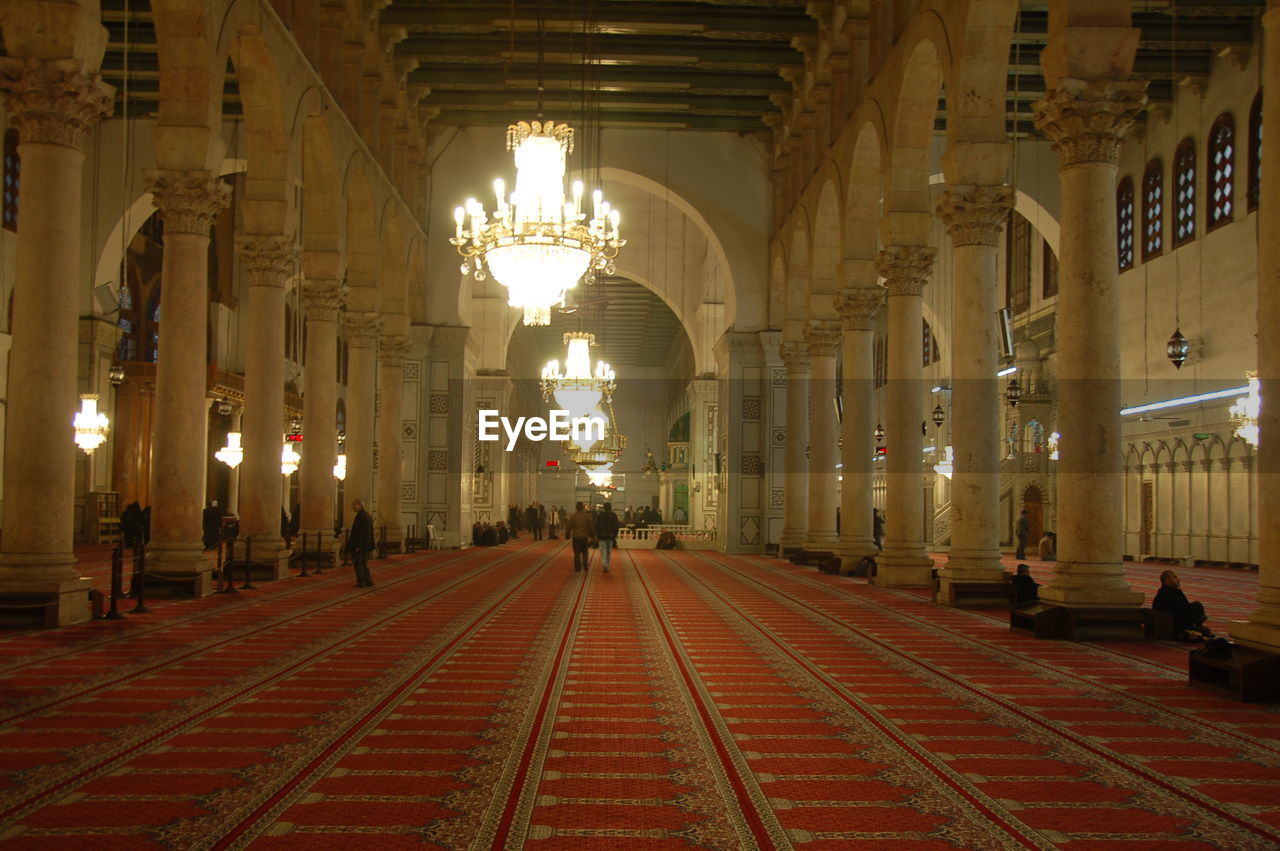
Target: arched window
932 354
1153 210
12 179
1184 184
1255 152
1124 223
1222 171
153 327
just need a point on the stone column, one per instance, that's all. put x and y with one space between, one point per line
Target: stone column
906 270
1262 630
974 216
858 307
267 262
362 382
52 104
392 349
322 299
188 201
1086 119
795 508
822 338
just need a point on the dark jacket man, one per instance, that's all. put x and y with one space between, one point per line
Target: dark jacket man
360 543
581 529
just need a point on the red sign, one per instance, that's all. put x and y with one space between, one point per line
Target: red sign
553 463
296 437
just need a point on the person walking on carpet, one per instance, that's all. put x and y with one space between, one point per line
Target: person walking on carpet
580 529
606 533
360 543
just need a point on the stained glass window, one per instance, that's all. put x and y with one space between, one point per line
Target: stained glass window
1153 210
1184 180
1222 158
1124 224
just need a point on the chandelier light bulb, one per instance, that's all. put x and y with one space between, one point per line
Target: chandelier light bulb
289 460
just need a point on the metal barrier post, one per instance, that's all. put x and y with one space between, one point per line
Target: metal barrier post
117 583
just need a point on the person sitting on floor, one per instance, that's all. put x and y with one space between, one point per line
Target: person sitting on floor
865 567
1024 587
1188 617
1049 547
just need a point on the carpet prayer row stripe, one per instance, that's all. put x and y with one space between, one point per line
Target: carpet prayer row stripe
1222 816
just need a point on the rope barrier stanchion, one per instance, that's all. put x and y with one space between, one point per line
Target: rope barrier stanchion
318 568
409 535
228 585
302 556
139 588
248 564
117 583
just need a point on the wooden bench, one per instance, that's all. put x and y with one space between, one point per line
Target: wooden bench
977 593
1236 671
1158 625
1046 620
29 610
830 564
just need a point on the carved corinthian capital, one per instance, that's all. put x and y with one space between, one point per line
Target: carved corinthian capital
858 306
392 349
795 354
974 215
1086 119
188 200
52 101
823 338
267 261
905 268
323 299
362 329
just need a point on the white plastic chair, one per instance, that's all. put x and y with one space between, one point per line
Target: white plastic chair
434 541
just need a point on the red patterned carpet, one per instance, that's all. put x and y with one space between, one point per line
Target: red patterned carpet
494 699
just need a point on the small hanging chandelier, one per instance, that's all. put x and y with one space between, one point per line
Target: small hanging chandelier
601 476
1013 393
289 459
878 432
1177 349
91 426
340 468
1244 413
233 453
650 466
939 415
538 245
116 374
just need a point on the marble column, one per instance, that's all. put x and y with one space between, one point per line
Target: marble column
858 307
1086 119
323 300
823 338
905 561
795 507
974 216
267 263
392 349
188 201
52 104
362 382
1262 629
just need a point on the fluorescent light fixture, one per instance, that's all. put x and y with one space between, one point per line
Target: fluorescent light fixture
1008 370
1183 400
937 389
929 449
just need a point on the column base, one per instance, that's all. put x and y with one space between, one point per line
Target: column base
903 567
44 601
1090 585
177 570
1256 635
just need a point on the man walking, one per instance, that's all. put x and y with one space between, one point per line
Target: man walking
1022 530
359 543
580 530
606 533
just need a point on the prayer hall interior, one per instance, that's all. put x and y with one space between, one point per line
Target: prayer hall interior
874 300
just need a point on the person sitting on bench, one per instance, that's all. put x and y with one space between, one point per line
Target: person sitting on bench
1188 617
1024 587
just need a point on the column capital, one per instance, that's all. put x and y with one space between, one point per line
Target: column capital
858 306
267 260
362 329
822 337
1086 119
52 101
905 268
795 354
392 349
187 200
973 214
323 298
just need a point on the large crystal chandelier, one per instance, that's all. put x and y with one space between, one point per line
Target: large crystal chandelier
1244 413
578 389
91 425
538 245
